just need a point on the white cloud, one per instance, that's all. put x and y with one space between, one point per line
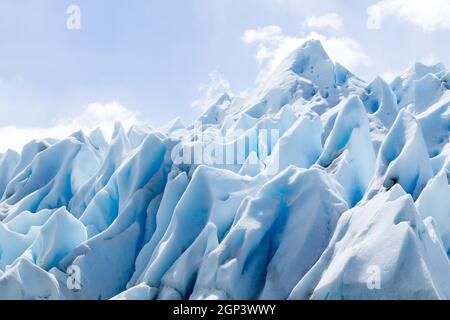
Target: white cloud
94 116
429 15
273 46
330 21
430 60
261 34
212 91
344 50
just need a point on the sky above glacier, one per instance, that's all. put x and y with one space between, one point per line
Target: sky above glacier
148 61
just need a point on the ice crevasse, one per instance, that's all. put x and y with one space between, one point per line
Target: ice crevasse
336 189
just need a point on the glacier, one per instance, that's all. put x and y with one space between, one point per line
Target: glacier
313 185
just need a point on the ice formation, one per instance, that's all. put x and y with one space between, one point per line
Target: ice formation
315 185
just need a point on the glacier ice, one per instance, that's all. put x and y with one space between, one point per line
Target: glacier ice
348 154
403 158
386 234
313 185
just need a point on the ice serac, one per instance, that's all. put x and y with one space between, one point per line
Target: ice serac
172 194
435 123
137 134
439 210
307 78
427 91
285 227
300 145
98 140
216 113
52 177
381 106
139 292
106 263
311 62
292 80
27 221
348 155
29 151
442 161
57 238
405 85
26 281
178 281
200 205
403 158
8 162
13 244
125 184
380 250
116 222
175 124
380 102
115 155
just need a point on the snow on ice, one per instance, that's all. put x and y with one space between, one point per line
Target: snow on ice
316 185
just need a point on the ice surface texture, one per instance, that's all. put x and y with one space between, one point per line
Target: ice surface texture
348 199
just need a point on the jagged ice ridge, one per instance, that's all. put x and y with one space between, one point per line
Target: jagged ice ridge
354 184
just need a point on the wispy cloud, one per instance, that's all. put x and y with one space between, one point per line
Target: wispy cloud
212 91
430 59
94 115
330 21
430 15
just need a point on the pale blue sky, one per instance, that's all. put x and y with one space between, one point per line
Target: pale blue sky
151 56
